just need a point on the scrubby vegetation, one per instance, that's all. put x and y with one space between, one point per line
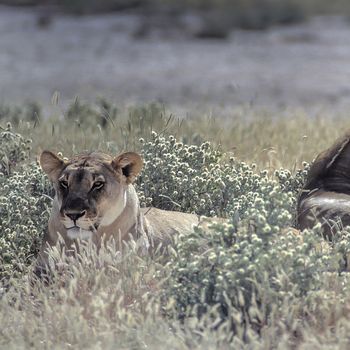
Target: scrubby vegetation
252 283
218 16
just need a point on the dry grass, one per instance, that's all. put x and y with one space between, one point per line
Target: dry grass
261 137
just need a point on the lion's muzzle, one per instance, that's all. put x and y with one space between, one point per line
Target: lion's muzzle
73 219
74 216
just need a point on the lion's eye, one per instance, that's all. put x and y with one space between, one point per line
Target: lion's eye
64 184
98 185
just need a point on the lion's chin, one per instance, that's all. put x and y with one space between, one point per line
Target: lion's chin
78 233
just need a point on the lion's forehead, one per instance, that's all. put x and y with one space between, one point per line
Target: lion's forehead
79 174
92 158
84 173
87 168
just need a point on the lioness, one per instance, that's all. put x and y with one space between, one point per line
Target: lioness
95 198
326 195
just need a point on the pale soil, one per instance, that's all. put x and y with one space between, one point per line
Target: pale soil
304 65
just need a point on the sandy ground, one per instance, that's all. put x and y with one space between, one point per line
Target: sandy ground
303 66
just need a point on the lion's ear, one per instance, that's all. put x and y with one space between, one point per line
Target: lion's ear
51 164
130 165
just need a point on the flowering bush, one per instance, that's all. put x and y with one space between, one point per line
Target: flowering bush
201 179
236 266
25 201
13 149
255 254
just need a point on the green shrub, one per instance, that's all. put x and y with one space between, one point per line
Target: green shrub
240 267
141 120
31 112
25 201
13 149
180 177
231 264
203 180
232 261
93 6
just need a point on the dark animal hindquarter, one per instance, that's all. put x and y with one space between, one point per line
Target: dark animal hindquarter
327 208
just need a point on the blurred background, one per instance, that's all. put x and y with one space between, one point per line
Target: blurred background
187 54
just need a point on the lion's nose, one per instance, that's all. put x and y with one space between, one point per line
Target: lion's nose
75 215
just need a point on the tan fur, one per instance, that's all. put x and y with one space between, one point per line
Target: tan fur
117 211
325 197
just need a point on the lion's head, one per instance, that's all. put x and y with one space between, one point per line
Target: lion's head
90 188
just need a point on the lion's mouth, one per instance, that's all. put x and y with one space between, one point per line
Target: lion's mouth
82 225
76 232
93 227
